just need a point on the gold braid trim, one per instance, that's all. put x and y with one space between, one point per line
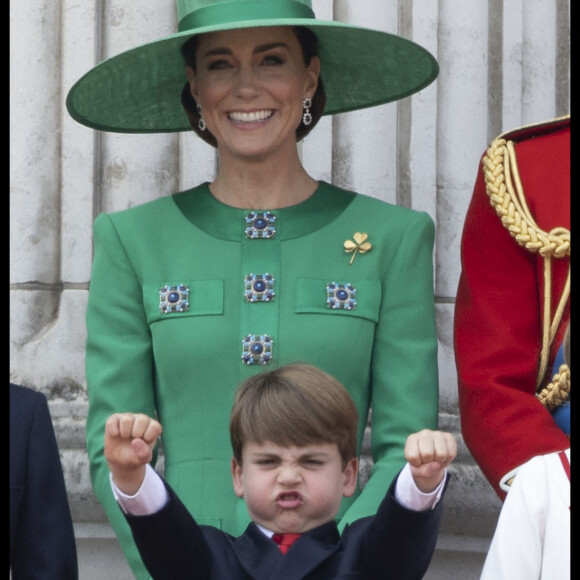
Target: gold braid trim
558 391
506 195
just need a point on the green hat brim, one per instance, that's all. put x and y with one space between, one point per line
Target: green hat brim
139 91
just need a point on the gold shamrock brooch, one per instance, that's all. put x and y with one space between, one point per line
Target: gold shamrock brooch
357 246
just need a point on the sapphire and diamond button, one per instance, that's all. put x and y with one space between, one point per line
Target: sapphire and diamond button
257 349
173 298
259 287
260 224
340 296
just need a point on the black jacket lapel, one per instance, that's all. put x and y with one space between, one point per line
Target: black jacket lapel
261 558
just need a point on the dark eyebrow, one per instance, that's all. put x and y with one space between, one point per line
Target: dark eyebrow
217 51
269 46
257 50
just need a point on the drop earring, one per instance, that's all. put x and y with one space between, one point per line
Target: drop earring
306 115
201 123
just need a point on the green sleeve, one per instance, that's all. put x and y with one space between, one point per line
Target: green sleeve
119 365
405 392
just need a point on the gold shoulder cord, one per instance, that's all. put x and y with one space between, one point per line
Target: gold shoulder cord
557 391
506 195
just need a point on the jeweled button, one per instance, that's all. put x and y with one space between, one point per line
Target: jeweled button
257 349
259 287
340 296
173 298
260 224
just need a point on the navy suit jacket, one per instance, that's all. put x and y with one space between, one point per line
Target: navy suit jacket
42 541
396 543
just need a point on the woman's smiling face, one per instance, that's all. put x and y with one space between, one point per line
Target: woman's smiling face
250 84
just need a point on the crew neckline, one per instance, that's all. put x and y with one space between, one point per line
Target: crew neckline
201 208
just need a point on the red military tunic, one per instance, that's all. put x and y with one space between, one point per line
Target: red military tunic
500 302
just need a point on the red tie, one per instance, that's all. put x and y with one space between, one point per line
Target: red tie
284 541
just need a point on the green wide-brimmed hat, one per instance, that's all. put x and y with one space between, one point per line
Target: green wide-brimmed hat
139 91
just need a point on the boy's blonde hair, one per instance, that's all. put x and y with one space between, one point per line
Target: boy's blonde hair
297 404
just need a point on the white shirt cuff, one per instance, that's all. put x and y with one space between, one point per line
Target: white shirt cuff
150 497
411 497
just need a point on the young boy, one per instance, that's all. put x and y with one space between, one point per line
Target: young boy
293 432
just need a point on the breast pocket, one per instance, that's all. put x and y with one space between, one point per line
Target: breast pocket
360 299
183 299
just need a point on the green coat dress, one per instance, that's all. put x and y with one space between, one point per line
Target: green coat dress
188 297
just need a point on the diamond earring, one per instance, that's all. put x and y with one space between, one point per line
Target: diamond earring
307 115
201 123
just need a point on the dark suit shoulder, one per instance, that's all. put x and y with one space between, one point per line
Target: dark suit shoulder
25 395
25 405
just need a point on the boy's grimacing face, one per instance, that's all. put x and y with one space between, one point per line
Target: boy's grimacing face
293 489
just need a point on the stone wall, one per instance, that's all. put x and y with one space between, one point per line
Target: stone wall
503 65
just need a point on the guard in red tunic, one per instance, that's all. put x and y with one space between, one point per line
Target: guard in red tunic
513 303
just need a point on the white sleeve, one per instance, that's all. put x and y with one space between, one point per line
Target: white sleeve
411 497
150 497
515 552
